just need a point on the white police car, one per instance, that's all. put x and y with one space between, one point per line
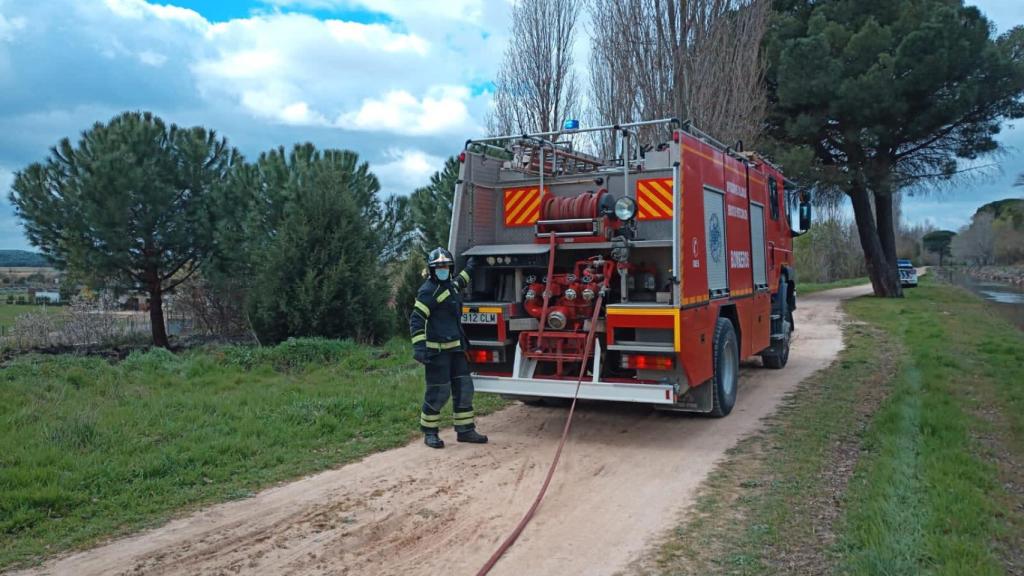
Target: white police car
908 274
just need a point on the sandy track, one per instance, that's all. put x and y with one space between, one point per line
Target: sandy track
626 474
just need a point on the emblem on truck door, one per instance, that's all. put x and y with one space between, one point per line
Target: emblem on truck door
715 238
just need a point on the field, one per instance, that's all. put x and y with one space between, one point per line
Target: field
902 458
90 449
8 312
25 271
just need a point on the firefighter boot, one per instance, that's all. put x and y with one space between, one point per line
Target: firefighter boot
434 441
472 436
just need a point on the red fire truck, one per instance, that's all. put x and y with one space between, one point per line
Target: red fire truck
675 257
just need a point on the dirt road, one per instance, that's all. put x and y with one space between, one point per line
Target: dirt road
626 474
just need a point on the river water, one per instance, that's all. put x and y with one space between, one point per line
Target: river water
1007 299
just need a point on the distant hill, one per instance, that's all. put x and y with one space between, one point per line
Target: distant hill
22 259
1010 209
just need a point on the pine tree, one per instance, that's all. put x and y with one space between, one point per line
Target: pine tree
871 97
432 206
133 205
316 253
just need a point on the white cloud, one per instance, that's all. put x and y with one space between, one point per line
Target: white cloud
442 110
299 113
375 36
459 10
10 26
150 58
297 69
404 170
141 10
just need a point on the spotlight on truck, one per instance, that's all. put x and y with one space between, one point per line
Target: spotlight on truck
625 208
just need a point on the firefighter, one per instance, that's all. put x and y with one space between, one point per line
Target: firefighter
440 345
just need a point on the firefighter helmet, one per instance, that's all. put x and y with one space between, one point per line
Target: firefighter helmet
439 257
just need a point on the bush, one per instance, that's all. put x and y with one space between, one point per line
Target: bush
829 251
291 354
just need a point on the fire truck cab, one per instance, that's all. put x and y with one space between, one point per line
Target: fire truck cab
675 257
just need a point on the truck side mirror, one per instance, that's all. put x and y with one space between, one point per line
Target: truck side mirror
805 215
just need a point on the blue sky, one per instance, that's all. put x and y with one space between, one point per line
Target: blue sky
402 82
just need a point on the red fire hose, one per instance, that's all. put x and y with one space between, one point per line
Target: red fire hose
565 431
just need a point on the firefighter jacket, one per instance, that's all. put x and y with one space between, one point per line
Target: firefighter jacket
436 319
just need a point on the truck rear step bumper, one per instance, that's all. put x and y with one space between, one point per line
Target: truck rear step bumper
589 390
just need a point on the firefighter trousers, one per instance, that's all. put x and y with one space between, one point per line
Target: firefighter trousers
448 376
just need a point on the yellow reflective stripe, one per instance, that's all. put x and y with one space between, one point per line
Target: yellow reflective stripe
444 345
419 338
430 417
443 296
428 424
464 275
461 422
463 415
422 308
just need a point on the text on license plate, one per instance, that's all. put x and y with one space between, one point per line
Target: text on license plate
479 318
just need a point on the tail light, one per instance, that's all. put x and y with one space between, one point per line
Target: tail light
485 355
648 362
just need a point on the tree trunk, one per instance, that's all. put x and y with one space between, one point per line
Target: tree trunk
884 221
156 315
870 242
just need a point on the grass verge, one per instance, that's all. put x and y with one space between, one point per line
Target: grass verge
812 287
90 449
900 458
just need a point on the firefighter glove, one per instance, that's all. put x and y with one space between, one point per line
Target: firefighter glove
420 355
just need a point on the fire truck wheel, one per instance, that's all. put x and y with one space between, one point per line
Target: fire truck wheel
777 360
726 358
778 355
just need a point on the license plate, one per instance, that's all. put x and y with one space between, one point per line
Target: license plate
479 318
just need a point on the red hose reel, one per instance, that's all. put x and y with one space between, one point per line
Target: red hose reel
572 207
576 213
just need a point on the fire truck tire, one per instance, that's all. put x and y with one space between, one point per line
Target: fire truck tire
726 359
778 355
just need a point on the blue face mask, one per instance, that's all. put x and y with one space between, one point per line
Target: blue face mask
442 274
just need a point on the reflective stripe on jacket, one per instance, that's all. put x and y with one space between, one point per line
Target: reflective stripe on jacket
437 313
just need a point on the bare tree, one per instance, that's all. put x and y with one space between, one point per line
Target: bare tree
975 244
692 59
536 86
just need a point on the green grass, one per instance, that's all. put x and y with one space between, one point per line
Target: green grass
8 312
891 461
812 287
90 449
926 499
